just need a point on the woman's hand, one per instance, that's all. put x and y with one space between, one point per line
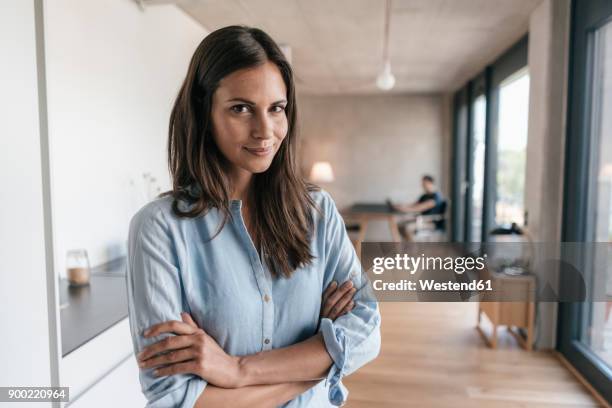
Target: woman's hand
190 351
337 300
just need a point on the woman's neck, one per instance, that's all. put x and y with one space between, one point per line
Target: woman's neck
241 184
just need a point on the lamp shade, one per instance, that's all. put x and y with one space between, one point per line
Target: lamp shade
321 172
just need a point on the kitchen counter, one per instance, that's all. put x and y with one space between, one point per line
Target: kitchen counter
88 311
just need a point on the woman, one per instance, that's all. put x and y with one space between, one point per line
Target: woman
226 272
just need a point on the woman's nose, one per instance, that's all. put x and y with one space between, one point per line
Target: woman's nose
263 127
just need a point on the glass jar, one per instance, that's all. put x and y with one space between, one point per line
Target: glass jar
77 267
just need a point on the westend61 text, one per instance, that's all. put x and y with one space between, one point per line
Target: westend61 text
430 285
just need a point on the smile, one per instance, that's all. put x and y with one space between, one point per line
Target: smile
260 151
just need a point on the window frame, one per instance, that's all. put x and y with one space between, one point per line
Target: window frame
586 17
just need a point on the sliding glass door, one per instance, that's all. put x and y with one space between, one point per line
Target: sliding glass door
585 329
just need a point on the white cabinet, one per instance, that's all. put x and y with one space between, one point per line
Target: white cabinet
103 370
120 388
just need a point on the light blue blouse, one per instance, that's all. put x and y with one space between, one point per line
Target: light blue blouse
173 267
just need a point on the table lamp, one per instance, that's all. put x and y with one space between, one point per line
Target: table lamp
522 265
322 172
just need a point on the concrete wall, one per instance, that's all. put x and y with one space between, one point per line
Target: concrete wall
378 146
548 55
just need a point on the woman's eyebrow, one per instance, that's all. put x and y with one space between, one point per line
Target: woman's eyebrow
253 103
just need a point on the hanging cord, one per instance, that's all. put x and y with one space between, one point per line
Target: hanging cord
347 86
387 30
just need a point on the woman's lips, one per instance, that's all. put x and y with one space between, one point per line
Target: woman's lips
259 151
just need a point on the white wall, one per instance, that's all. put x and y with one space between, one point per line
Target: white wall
113 72
378 145
24 354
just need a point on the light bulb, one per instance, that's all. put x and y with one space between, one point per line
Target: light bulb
385 80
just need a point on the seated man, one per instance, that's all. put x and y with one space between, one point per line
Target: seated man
429 203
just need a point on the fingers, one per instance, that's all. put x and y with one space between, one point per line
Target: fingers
169 343
174 356
330 289
335 296
331 301
344 311
188 367
348 308
342 303
188 319
171 326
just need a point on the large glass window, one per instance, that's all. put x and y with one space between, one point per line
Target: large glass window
585 329
489 147
512 148
597 327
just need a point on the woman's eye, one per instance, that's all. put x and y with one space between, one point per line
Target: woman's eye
278 108
240 108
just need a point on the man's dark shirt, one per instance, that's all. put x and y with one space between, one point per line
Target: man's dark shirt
436 210
432 196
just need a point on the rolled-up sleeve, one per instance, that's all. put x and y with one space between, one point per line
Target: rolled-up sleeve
353 339
155 295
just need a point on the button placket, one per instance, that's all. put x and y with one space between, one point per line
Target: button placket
268 311
268 304
262 284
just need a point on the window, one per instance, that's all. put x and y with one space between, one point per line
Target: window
490 146
512 148
585 328
479 113
596 330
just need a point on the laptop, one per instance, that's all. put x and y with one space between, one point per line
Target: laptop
389 204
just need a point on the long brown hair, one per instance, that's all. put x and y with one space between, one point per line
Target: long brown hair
281 205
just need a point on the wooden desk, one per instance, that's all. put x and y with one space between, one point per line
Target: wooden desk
363 213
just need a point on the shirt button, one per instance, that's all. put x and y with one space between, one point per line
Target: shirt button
266 298
267 341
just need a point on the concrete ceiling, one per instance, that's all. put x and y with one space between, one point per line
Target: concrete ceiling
337 45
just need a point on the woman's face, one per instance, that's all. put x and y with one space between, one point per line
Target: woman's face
248 114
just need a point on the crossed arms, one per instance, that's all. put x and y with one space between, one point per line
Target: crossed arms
265 379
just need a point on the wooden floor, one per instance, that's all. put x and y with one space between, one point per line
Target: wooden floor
433 357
